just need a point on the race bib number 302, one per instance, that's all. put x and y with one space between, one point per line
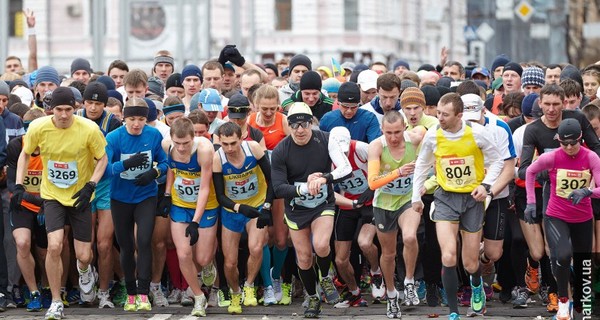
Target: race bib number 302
569 180
62 174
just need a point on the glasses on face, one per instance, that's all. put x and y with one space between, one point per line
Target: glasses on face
569 142
351 106
297 125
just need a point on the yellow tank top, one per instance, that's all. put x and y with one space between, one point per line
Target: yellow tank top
459 163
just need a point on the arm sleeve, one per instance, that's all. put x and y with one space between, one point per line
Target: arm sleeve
377 180
527 152
220 191
492 154
265 167
342 165
544 162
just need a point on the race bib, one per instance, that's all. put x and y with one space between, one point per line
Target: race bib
187 189
63 174
399 186
356 184
459 172
569 180
32 181
242 188
135 171
310 201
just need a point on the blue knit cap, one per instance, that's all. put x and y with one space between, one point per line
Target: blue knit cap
191 71
47 74
527 104
107 81
500 60
152 113
401 62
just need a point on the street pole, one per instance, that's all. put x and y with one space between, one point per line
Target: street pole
4 16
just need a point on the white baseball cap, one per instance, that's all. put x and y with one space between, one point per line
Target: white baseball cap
367 80
473 105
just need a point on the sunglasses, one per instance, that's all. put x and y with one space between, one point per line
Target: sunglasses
297 125
569 142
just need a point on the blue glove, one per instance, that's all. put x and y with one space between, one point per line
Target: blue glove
577 195
530 213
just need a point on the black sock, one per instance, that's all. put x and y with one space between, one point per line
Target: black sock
450 281
476 277
309 279
532 263
324 263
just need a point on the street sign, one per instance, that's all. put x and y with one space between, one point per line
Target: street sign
485 32
539 31
524 10
591 30
504 9
469 33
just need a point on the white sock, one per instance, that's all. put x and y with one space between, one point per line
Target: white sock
392 294
409 281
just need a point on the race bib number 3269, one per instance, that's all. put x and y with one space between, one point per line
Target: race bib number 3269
62 174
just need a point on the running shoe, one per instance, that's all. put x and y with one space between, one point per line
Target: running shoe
276 286
331 294
130 303
377 287
564 311
393 307
175 296
269 296
213 298
35 304
410 295
157 296
286 294
18 296
46 298
224 298
104 300
543 294
55 312
465 297
489 292
431 295
453 316
478 298
443 297
249 297
87 282
522 299
143 303
186 298
421 290
119 294
314 307
236 303
350 300
209 274
200 304
532 279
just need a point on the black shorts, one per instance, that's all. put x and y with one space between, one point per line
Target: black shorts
299 220
521 203
495 219
596 208
349 222
24 218
58 215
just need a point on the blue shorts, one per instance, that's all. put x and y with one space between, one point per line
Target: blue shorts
209 218
102 196
235 222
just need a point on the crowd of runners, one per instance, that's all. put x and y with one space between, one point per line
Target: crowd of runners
236 183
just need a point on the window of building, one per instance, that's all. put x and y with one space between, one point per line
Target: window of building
283 14
16 17
351 15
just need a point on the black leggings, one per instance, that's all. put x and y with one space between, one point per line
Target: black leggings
564 240
125 217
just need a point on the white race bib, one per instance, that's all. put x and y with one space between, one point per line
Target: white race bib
135 171
356 184
187 189
399 186
242 188
62 174
310 201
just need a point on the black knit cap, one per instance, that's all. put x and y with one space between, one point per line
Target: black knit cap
174 80
272 67
432 95
569 129
349 92
310 80
300 60
62 96
514 67
96 91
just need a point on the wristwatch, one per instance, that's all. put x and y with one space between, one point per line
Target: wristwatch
92 183
267 206
488 189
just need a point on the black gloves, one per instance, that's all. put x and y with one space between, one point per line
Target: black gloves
530 213
542 177
577 195
248 211
84 196
136 160
365 196
17 197
164 207
146 178
192 232
265 218
231 53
